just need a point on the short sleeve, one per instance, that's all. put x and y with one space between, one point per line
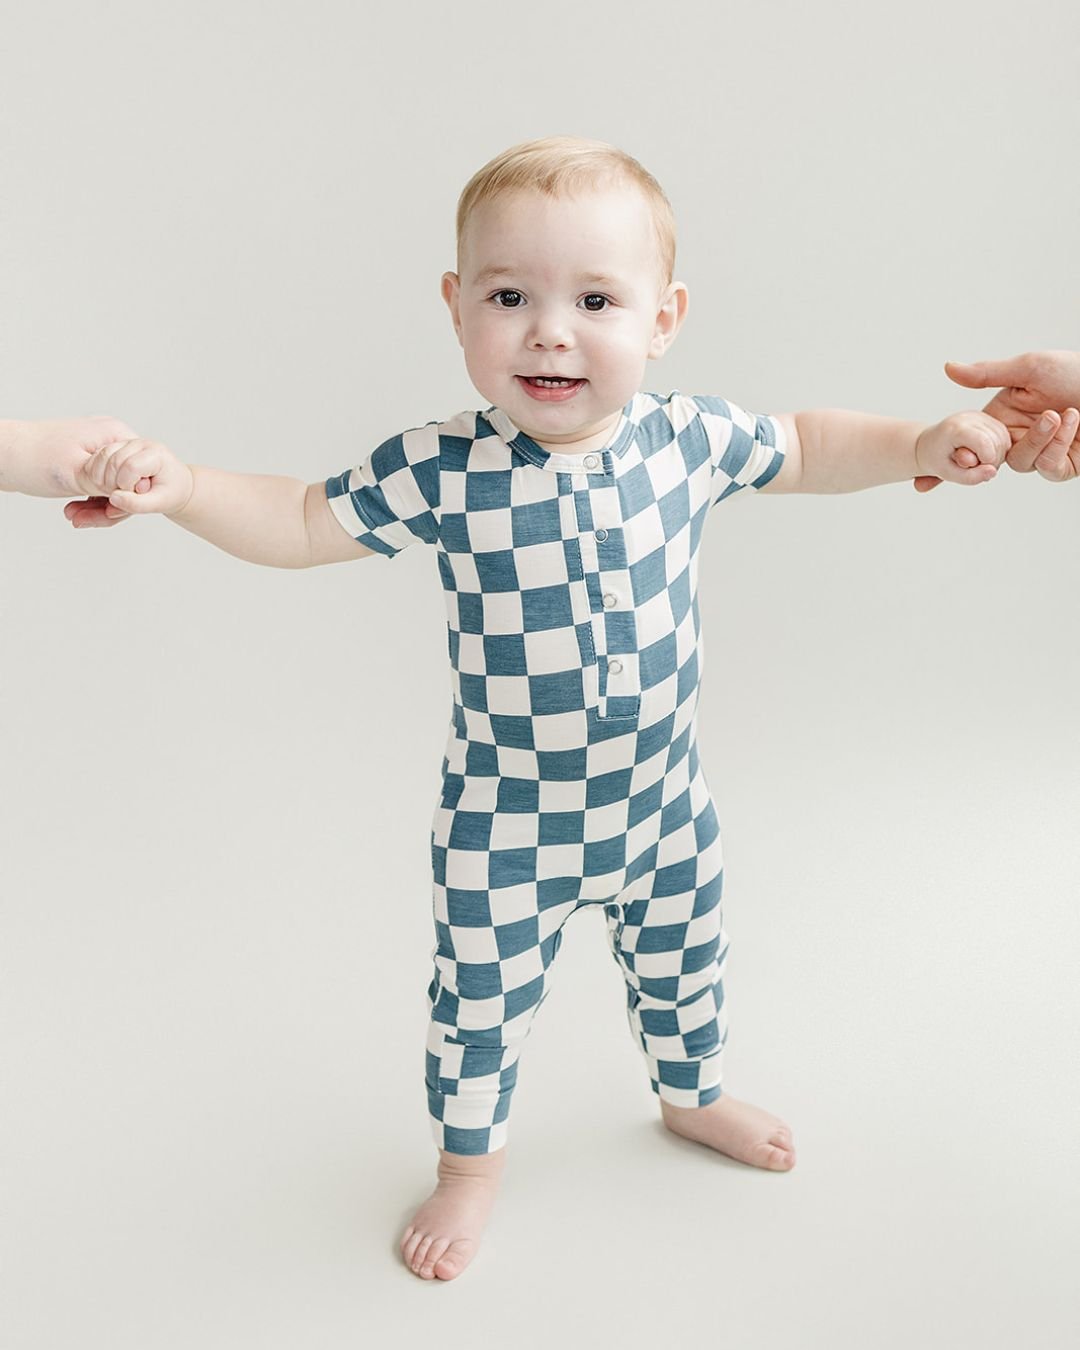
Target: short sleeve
391 499
746 449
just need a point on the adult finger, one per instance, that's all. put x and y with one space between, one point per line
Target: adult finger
88 514
93 513
1053 463
990 374
1034 441
926 482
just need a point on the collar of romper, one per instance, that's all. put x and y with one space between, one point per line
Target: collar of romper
615 448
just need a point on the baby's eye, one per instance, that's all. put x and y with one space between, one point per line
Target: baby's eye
510 303
595 309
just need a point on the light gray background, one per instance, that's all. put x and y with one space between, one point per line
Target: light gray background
226 225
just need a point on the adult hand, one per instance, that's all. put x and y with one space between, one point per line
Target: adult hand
1039 404
47 458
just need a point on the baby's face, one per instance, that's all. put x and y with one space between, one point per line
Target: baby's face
567 287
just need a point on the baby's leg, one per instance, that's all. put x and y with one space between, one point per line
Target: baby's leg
470 1076
669 940
494 948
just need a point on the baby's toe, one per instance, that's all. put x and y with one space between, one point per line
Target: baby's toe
438 1246
777 1154
420 1253
456 1258
410 1240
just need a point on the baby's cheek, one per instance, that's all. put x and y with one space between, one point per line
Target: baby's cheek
629 342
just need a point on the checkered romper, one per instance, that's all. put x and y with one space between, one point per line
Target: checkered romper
571 774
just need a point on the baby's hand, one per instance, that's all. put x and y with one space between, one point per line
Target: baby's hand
965 448
114 471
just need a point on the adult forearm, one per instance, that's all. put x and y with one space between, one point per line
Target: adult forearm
46 457
13 475
256 517
847 451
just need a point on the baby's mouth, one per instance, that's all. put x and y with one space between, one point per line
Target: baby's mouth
550 388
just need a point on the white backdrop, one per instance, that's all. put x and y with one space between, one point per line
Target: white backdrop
225 223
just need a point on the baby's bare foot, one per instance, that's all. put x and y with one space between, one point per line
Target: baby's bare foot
445 1231
744 1132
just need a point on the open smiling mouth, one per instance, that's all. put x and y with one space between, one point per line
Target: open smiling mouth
549 389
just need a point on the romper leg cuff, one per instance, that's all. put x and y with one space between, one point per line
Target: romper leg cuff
470 1115
695 1082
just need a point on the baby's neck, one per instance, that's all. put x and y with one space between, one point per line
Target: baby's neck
596 441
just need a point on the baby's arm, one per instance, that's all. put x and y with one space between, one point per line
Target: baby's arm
832 450
265 518
261 518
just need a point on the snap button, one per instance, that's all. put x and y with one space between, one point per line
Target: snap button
601 535
609 600
591 461
614 667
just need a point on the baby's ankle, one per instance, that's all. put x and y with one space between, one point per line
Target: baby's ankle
484 1166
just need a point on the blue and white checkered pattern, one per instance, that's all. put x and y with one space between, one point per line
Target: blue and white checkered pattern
571 774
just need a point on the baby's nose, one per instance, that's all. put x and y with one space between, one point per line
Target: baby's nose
549 338
550 330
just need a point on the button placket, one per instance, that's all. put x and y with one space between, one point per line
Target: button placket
614 621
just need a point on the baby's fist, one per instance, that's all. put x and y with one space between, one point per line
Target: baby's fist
965 448
115 469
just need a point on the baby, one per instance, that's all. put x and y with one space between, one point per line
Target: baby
567 518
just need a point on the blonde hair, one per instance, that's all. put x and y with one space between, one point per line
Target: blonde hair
564 164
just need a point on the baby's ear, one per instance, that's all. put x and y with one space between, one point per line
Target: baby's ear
674 303
450 288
